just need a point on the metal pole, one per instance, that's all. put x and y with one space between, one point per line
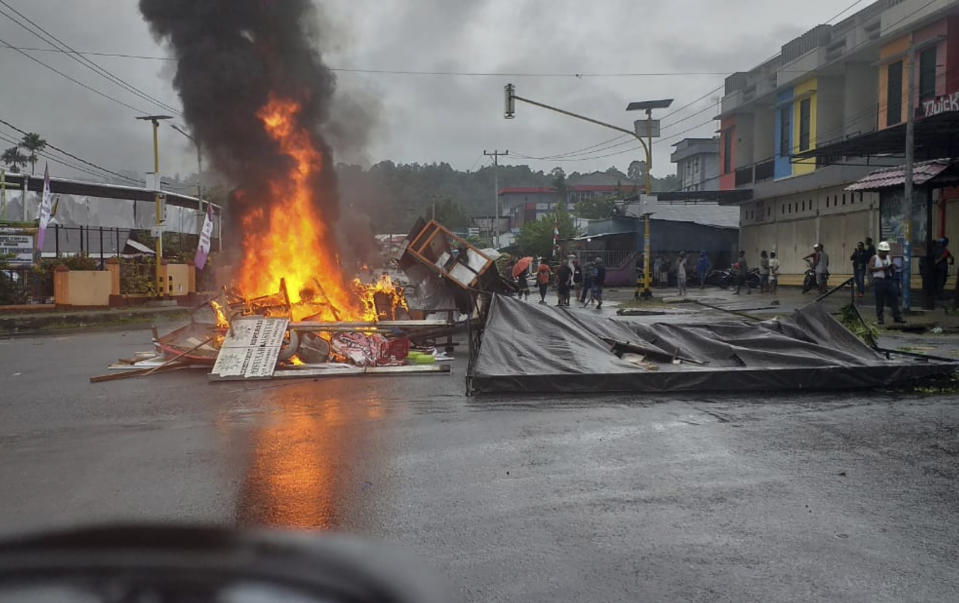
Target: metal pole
56 236
23 198
102 262
117 231
156 204
647 246
3 194
494 227
907 185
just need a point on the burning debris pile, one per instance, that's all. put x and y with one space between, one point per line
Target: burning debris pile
256 94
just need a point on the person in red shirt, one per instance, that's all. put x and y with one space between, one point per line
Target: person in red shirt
543 274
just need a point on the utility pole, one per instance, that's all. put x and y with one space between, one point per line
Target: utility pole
158 238
495 226
907 184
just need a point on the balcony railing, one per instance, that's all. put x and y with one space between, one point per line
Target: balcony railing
765 170
744 176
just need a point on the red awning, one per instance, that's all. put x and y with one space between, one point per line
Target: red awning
891 177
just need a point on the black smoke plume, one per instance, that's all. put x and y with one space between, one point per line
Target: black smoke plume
231 56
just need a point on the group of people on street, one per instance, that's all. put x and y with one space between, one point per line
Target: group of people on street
586 281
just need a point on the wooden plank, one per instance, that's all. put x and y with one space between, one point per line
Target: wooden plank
373 371
383 324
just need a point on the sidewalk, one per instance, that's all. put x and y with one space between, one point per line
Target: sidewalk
22 323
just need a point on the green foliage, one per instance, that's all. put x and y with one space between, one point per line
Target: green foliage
138 276
14 159
33 145
866 331
10 292
664 185
450 214
594 209
536 238
395 195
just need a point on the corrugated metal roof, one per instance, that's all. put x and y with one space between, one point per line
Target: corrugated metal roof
890 177
708 214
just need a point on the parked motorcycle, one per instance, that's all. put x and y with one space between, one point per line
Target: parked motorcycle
809 278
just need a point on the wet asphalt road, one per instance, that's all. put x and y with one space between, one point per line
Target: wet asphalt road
790 497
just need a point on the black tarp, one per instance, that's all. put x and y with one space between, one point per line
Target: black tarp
540 348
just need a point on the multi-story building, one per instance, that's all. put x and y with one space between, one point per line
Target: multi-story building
527 204
697 163
804 127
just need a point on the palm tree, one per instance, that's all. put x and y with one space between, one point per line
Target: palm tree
33 145
14 159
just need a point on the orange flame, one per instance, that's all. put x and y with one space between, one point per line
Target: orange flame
288 238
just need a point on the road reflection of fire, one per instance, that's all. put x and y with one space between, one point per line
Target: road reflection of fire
303 459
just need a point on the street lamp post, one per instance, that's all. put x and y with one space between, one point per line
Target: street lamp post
158 238
648 106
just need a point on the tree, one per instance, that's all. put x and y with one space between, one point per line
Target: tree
536 238
594 209
636 171
33 144
14 159
450 214
667 184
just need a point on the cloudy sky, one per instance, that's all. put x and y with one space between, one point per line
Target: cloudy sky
681 48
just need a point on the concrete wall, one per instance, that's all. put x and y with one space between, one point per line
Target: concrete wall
791 225
859 99
82 287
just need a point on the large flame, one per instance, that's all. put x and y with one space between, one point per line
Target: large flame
287 238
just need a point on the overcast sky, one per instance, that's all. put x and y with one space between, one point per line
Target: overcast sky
420 118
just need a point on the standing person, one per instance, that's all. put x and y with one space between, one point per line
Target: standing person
564 283
702 268
883 275
599 278
763 272
941 263
822 269
543 274
523 285
742 271
587 283
657 270
577 277
773 272
681 274
870 251
859 262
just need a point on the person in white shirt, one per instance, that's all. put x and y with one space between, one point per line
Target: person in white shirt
681 274
882 271
773 272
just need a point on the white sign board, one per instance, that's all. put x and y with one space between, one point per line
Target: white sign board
16 248
250 351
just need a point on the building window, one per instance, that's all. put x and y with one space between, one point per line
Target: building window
785 123
727 150
844 198
927 74
894 93
805 115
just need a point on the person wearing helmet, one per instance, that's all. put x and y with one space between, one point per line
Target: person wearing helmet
882 271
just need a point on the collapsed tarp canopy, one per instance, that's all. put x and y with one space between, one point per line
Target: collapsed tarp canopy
539 348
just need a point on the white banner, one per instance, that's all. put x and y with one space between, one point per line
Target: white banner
46 207
206 234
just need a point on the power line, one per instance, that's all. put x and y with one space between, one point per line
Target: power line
74 80
71 52
71 155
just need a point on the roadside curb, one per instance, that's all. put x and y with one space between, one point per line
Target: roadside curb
49 323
